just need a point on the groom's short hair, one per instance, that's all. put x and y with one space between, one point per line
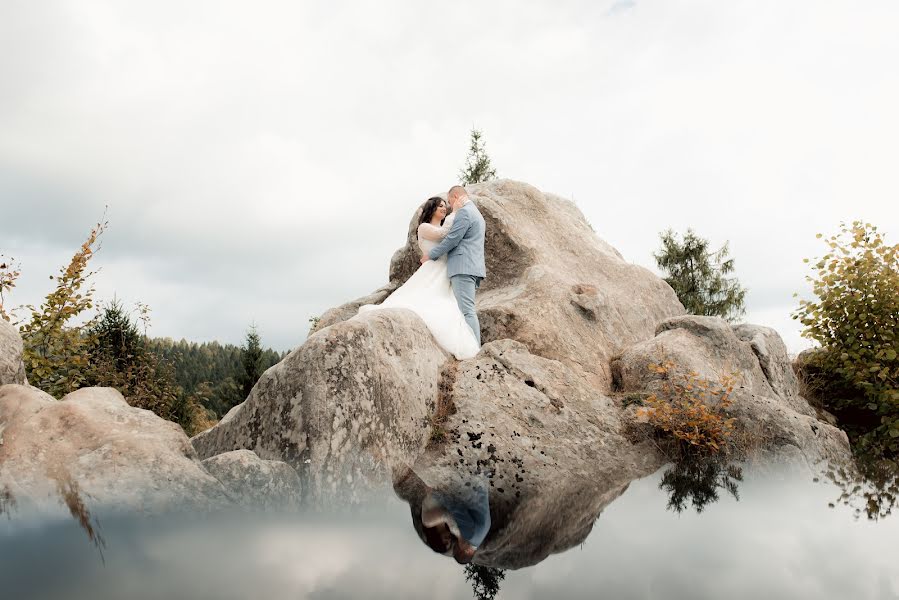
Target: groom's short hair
456 190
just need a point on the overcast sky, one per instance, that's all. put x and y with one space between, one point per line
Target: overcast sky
261 161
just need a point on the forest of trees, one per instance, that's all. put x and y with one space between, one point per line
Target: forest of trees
215 374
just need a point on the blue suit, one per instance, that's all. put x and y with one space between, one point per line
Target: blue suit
464 247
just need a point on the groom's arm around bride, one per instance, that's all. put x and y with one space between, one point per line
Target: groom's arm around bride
464 245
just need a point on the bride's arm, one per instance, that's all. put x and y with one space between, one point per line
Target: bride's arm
426 231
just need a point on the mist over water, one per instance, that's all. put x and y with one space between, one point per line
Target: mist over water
776 537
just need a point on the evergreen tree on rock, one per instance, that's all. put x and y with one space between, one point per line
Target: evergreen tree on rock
477 166
251 357
699 276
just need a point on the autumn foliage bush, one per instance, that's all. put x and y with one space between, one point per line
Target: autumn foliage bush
66 347
855 319
691 411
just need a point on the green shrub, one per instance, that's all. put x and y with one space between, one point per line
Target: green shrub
57 350
855 319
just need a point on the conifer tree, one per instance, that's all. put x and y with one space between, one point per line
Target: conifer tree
699 277
251 358
116 335
477 165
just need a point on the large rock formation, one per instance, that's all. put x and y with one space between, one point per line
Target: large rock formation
91 449
538 409
569 327
553 446
92 443
354 398
551 283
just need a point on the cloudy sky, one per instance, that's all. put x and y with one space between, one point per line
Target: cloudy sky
260 161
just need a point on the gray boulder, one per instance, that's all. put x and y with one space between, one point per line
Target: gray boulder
12 369
352 400
766 401
93 445
567 324
552 446
552 283
349 309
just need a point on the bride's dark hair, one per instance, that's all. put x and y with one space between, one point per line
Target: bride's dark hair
428 211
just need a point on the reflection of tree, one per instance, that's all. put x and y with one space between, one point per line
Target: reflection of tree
70 493
871 487
7 501
697 479
484 581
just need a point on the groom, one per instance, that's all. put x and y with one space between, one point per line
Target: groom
464 247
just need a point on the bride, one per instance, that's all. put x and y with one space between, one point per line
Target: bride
428 292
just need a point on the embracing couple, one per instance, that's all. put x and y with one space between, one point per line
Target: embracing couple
442 290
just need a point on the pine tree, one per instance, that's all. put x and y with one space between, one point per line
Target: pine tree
477 165
251 358
115 334
698 276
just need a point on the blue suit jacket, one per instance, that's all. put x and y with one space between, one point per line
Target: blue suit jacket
464 244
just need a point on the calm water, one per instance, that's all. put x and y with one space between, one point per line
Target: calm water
780 539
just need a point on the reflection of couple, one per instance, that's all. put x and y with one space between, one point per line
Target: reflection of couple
442 290
452 518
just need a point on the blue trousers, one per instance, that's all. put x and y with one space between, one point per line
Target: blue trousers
464 287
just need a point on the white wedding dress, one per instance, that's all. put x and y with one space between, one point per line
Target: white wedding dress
429 294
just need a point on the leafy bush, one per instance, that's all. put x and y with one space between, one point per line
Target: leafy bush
9 272
855 319
690 411
57 351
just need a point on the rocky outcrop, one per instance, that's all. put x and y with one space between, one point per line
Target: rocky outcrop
255 483
553 448
92 444
349 309
12 370
369 399
552 283
567 324
354 398
766 400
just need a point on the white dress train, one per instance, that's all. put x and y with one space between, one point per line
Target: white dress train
429 294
